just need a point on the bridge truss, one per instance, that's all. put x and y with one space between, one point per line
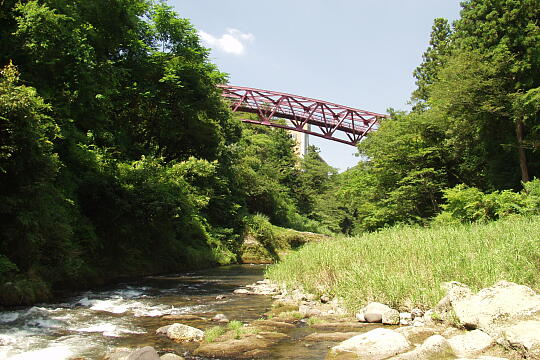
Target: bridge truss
331 119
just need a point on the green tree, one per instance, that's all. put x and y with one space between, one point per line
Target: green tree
433 59
499 43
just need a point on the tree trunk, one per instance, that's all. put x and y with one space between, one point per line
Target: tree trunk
520 127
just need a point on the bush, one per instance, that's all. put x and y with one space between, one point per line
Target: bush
468 204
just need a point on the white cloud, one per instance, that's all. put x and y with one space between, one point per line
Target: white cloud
232 42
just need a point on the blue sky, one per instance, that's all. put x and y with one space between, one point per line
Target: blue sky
359 53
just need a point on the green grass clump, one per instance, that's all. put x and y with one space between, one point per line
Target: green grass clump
235 329
313 321
213 333
404 266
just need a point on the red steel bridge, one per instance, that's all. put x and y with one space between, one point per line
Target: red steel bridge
331 119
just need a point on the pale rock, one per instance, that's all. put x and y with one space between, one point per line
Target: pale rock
145 353
416 313
181 332
405 318
298 295
434 348
373 317
429 318
455 291
308 310
390 317
360 317
118 354
503 303
470 343
220 318
416 335
377 312
162 330
525 336
374 345
419 322
242 292
375 307
451 332
171 356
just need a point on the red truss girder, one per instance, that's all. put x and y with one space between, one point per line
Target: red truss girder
328 117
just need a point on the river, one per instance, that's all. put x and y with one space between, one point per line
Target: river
90 324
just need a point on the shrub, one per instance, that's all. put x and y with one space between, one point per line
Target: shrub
468 204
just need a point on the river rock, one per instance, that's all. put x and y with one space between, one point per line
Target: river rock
434 348
417 313
220 318
171 356
505 303
181 332
471 343
145 353
525 337
373 317
405 318
163 330
374 345
118 354
360 317
416 335
390 317
243 292
455 291
376 312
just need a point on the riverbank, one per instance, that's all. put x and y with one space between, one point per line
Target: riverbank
261 243
403 266
497 323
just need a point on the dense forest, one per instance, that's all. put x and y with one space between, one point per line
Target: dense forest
468 150
118 156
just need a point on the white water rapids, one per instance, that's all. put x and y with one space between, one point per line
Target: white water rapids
92 323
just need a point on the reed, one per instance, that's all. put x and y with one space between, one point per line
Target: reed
404 266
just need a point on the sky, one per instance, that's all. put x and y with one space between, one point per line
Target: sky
358 53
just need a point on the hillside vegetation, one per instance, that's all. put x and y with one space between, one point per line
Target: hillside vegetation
118 156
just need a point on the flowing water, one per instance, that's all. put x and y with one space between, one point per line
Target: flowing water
88 325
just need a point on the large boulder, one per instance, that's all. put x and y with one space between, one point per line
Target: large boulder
492 308
471 343
374 345
416 334
118 354
145 353
435 347
525 337
181 332
455 291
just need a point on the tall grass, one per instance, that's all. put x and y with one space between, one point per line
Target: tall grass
404 266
